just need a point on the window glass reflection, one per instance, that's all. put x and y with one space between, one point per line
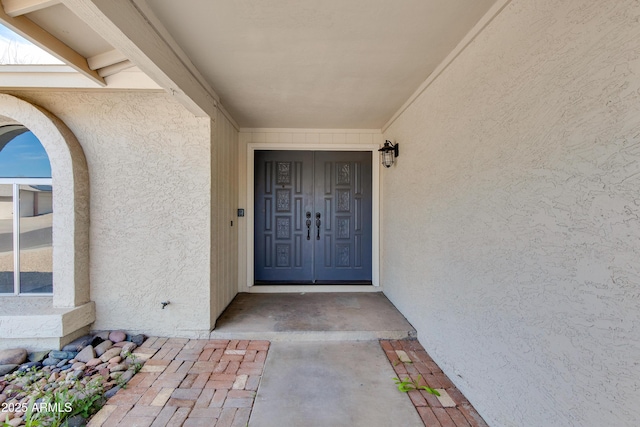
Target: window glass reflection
22 156
6 239
36 261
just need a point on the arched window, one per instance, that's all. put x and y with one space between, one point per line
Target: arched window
26 214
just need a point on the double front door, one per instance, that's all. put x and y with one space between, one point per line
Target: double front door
312 217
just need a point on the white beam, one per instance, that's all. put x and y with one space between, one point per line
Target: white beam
105 59
38 36
155 22
115 68
125 27
42 76
15 8
131 78
63 76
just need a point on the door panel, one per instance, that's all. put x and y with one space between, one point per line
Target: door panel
283 195
312 217
343 192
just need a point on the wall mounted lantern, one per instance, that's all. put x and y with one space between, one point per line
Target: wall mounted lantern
388 153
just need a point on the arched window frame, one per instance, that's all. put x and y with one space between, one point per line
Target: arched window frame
70 178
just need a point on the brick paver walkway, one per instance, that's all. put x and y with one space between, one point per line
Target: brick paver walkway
452 409
214 382
189 383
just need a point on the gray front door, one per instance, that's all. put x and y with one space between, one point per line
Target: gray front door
312 217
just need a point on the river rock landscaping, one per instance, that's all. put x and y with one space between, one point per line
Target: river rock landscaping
65 387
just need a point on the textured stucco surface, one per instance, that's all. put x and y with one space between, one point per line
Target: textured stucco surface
512 232
149 174
34 323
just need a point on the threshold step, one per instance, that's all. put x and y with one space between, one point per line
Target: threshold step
286 336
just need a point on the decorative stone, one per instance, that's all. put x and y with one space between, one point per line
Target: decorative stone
138 339
65 367
15 422
26 366
78 365
110 393
102 334
8 368
118 367
38 356
79 344
76 421
59 354
14 356
102 347
94 362
86 354
72 376
62 363
12 388
115 360
117 336
128 348
112 352
127 375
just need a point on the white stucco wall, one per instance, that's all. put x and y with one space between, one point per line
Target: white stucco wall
512 232
150 186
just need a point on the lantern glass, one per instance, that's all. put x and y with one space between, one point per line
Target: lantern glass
387 158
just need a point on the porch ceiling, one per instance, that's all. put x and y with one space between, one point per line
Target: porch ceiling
317 64
277 63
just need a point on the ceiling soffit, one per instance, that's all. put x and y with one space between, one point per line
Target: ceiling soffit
278 64
310 64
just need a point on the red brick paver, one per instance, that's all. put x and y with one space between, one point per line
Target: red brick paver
425 371
189 383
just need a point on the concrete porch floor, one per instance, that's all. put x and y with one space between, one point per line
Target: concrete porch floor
312 317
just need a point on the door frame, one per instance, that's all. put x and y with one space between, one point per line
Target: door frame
252 147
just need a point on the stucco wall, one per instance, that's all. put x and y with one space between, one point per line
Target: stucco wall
512 233
150 189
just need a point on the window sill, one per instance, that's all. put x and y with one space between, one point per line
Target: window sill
34 323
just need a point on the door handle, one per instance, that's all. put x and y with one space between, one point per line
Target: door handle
308 225
318 225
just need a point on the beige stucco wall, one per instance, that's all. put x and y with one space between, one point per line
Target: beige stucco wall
512 238
150 186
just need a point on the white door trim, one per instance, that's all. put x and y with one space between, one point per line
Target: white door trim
375 200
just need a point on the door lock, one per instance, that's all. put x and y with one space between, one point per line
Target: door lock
308 225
